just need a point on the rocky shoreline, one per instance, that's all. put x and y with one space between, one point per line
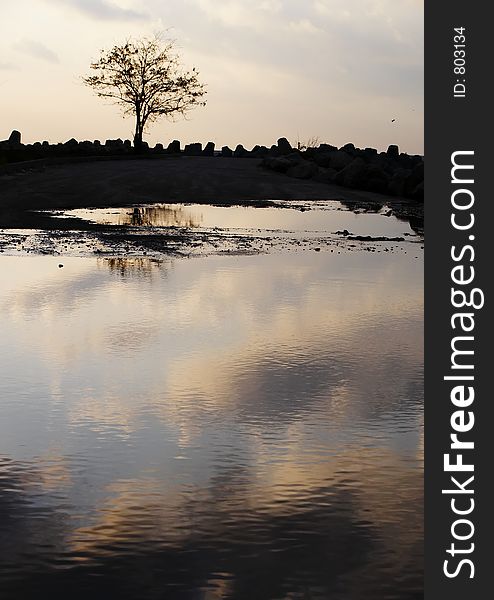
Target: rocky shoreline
38 180
391 173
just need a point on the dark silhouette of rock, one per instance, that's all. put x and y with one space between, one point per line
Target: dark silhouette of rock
376 179
173 147
118 143
418 192
86 148
326 175
304 169
323 159
414 180
15 137
393 151
209 149
349 149
353 175
158 148
368 154
193 149
280 164
240 152
324 148
284 147
397 183
382 161
226 152
339 160
259 151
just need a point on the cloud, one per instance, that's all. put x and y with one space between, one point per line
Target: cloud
37 50
104 9
304 26
7 66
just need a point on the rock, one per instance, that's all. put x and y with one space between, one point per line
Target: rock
326 175
325 148
414 179
240 152
370 151
209 149
86 147
353 175
376 179
280 164
173 147
339 160
348 148
284 147
193 149
260 151
393 151
114 144
15 137
323 159
304 169
405 161
397 183
295 157
382 161
418 192
226 152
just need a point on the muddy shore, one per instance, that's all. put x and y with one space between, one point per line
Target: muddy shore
27 193
200 180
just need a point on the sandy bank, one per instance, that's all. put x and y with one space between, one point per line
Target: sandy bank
182 179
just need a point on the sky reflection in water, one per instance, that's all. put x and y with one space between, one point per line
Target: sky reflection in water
321 217
224 427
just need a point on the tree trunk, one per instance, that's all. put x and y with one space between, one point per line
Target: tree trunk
138 133
138 140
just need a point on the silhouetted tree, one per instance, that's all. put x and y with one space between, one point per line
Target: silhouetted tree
145 77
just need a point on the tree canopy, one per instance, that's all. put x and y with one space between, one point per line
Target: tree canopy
146 79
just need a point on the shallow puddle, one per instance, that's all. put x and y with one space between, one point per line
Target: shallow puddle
304 218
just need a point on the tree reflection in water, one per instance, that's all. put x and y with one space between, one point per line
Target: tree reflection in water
161 216
133 266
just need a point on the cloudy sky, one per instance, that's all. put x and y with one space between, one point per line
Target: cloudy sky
338 70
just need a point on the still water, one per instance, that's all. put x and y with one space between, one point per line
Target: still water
225 427
300 218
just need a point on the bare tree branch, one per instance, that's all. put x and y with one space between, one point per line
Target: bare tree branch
145 77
